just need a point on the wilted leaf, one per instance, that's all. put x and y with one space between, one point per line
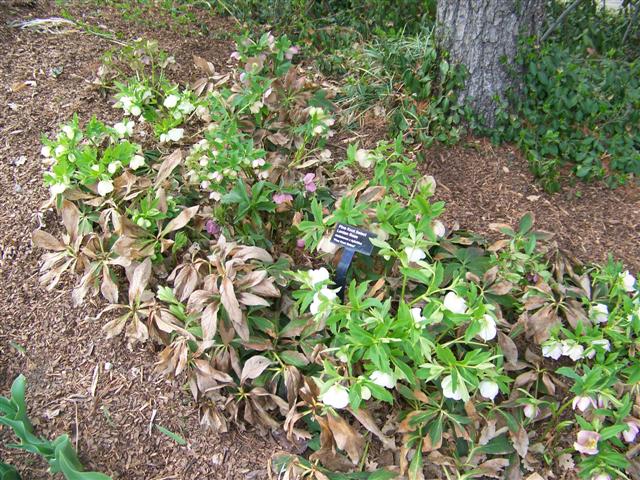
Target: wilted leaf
108 288
539 324
251 300
520 441
508 347
231 305
42 239
180 221
500 288
346 437
254 367
169 163
70 218
492 468
209 321
367 421
139 280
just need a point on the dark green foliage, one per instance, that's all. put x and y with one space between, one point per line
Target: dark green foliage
580 102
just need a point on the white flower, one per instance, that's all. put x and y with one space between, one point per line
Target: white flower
322 300
429 183
531 411
45 151
136 162
455 303
136 111
173 135
416 314
365 393
487 327
583 403
60 150
68 131
552 349
58 188
628 281
257 163
603 342
318 276
318 130
600 313
113 167
171 101
105 187
414 254
336 396
186 107
447 388
439 229
126 103
383 379
488 389
363 158
572 349
124 128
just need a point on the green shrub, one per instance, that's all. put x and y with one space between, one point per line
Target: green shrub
579 105
223 258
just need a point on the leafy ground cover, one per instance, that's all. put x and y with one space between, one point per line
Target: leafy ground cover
466 301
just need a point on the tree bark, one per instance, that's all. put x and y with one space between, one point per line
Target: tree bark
482 35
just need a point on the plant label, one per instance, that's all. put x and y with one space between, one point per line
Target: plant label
353 238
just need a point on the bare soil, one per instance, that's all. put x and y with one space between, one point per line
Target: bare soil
108 397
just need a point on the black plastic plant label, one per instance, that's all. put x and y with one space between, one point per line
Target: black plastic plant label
353 238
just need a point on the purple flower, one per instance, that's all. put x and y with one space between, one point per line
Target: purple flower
300 243
309 182
587 442
280 198
213 228
634 427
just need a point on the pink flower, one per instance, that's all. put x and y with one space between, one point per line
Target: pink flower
634 427
587 442
213 228
293 50
309 183
235 55
300 243
583 403
280 198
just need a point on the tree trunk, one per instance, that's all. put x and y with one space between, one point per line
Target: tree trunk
480 34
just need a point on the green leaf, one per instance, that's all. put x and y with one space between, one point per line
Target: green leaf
173 436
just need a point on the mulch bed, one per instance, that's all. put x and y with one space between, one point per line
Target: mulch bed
106 396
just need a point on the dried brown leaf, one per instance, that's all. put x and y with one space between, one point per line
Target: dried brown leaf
254 367
508 347
346 437
42 239
139 280
168 165
231 305
180 221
